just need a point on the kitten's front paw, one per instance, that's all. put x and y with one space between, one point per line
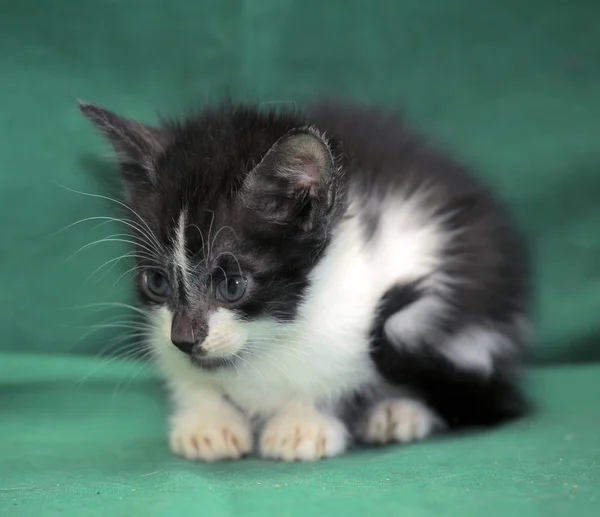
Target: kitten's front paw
220 434
399 420
303 437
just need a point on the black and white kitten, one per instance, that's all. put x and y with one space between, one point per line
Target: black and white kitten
317 278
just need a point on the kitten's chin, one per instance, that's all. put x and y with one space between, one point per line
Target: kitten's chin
212 364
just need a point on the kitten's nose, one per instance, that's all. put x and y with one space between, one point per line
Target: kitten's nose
183 345
187 337
182 333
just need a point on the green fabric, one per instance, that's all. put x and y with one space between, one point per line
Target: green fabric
80 437
511 87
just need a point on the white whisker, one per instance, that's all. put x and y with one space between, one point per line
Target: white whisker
209 230
218 232
130 270
113 261
110 305
203 243
127 222
234 258
99 196
112 238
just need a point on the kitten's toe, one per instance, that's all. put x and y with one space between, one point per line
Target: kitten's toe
305 438
212 437
399 420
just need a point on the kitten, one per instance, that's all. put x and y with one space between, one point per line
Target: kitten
317 279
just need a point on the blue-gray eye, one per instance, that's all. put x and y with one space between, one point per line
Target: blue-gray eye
231 289
156 285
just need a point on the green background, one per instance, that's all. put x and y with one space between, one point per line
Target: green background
511 87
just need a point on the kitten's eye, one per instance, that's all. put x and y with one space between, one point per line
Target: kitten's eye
156 285
231 289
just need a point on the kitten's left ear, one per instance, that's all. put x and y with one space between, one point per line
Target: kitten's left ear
294 182
137 145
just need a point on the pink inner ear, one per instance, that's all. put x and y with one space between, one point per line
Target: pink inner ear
308 179
307 173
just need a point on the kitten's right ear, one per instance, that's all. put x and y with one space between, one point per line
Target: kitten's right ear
295 181
137 145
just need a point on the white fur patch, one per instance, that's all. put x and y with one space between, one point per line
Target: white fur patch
179 252
408 242
226 335
406 327
401 420
303 434
474 349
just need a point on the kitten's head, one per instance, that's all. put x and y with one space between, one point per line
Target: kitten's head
230 209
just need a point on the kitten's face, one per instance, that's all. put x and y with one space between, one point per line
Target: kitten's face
231 211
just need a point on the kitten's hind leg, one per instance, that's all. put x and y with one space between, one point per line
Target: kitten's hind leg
397 420
464 366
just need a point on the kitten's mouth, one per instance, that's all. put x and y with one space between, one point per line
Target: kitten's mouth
214 363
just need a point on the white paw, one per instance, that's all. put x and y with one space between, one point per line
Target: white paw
399 420
220 434
303 437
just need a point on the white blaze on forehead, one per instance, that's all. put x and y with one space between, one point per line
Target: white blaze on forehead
180 258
